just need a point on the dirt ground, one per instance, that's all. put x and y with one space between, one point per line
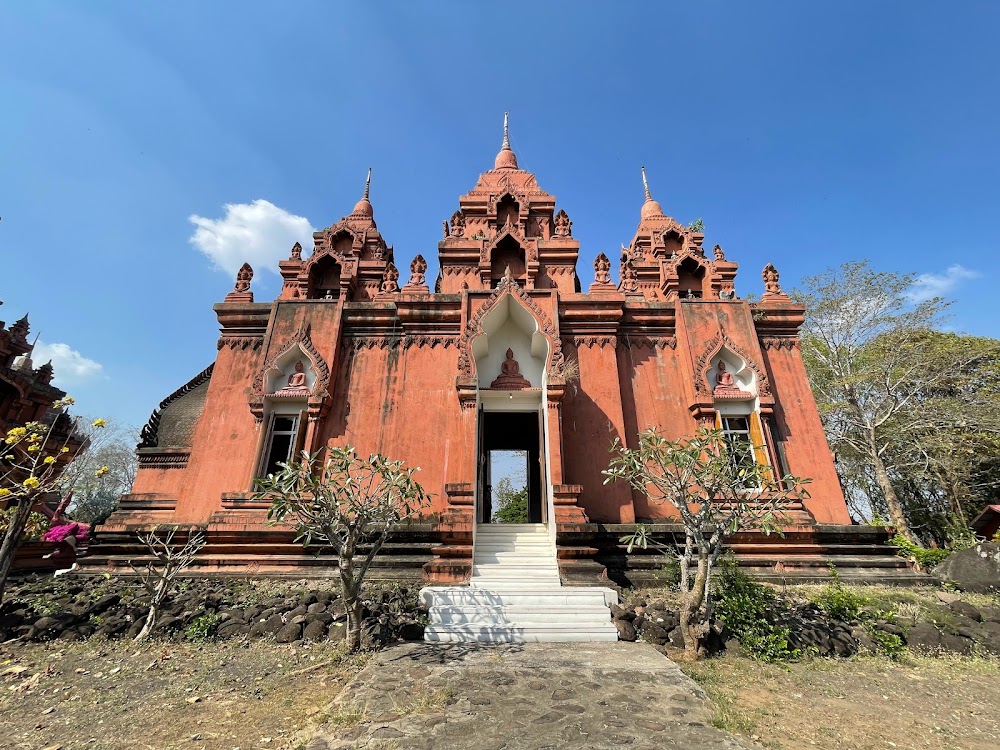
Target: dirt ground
865 703
103 695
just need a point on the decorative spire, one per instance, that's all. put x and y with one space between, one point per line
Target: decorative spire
650 207
506 158
364 206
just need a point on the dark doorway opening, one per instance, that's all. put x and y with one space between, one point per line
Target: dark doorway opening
503 436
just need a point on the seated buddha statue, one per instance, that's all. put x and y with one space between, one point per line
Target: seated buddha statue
725 384
297 385
510 378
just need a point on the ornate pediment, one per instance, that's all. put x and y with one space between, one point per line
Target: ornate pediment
474 327
713 347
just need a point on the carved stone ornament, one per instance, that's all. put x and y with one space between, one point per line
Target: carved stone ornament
602 269
508 285
771 286
19 331
630 278
243 278
713 347
390 279
418 270
719 253
564 227
296 252
458 224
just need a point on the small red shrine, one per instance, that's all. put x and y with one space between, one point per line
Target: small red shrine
508 349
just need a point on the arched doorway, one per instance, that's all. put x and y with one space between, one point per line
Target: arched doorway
510 356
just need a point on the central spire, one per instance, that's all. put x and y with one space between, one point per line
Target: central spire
650 207
364 207
506 158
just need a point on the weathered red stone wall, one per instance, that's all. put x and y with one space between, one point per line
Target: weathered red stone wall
804 441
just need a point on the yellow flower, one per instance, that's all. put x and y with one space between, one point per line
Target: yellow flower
4 492
34 448
31 483
50 459
99 423
64 450
102 471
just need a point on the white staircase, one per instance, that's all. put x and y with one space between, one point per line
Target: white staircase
515 595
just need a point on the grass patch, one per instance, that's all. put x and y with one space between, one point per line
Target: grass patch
348 715
424 699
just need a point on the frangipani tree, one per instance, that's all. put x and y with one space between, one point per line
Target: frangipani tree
29 468
344 501
716 492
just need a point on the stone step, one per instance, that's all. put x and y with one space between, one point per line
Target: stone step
535 633
538 569
517 558
516 596
518 614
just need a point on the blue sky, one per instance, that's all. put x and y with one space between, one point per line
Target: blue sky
804 134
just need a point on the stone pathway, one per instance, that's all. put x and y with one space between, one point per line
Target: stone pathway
585 696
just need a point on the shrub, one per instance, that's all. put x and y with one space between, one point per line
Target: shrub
746 607
842 604
203 627
924 557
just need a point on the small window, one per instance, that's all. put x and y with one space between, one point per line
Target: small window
741 448
281 441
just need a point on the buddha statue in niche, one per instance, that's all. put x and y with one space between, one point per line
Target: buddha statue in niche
296 385
725 384
510 378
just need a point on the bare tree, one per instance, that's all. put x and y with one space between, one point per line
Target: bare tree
871 362
94 498
717 489
344 501
160 573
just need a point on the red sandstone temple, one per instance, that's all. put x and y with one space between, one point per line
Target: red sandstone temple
509 348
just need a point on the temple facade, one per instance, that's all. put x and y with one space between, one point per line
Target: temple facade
510 347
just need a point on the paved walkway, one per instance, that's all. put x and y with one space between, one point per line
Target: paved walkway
585 696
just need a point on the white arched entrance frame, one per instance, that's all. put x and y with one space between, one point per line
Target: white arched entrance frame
510 325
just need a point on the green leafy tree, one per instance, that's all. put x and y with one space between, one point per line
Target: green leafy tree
879 370
512 505
344 501
716 493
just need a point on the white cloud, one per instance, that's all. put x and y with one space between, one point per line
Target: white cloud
70 367
929 285
257 233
